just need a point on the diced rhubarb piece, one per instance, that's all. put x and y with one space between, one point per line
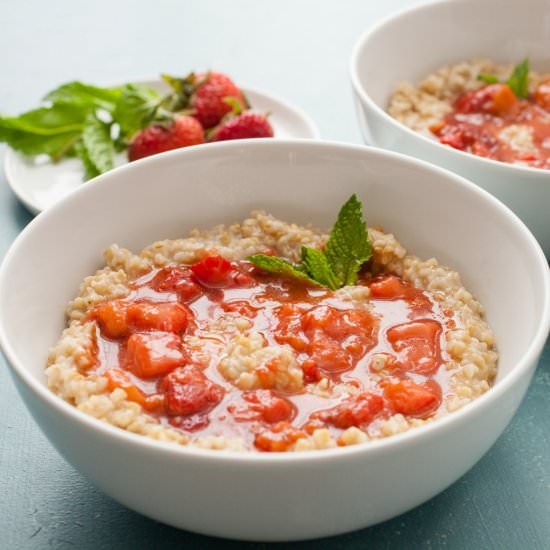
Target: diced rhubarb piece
279 439
119 379
165 317
118 318
504 100
154 353
407 397
112 318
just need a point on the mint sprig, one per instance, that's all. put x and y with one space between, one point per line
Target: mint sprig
518 81
272 264
347 249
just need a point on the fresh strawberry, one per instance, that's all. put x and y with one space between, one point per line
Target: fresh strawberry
246 125
182 132
209 99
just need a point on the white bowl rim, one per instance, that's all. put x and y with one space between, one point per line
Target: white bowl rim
41 391
362 93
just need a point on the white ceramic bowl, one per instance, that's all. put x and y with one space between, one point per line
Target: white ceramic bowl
413 44
275 496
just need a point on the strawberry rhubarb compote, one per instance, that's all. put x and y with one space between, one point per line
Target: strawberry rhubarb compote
492 122
483 108
267 336
348 363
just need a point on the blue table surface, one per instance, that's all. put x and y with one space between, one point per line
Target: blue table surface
299 50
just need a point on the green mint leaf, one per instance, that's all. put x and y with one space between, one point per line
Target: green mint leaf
348 247
135 108
45 121
90 170
318 268
272 264
97 144
519 81
55 146
488 78
47 130
85 95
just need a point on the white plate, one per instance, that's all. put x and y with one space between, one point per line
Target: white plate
38 183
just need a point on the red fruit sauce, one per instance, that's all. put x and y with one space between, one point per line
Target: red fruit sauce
479 116
143 347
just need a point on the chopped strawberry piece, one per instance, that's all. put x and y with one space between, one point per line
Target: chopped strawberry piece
407 397
418 342
154 353
358 411
329 356
390 287
338 338
188 391
166 317
289 327
244 280
178 280
263 405
311 371
457 138
190 423
213 272
495 99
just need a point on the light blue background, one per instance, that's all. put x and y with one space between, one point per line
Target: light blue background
298 49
